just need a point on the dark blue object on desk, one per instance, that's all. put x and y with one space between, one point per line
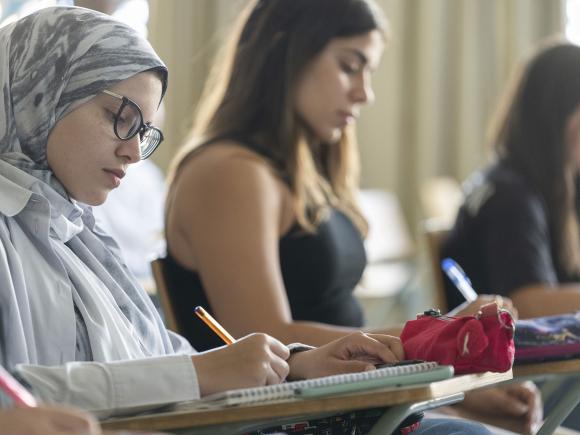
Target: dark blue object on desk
548 338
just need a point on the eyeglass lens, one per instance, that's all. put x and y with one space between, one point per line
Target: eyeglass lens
130 121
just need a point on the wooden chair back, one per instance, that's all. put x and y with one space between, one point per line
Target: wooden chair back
158 269
435 232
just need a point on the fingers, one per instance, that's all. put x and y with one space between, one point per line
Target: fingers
379 347
394 343
278 348
74 421
273 359
528 393
279 370
502 302
511 404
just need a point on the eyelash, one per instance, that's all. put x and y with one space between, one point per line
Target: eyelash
349 68
112 115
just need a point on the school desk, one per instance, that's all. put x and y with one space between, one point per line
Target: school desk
400 402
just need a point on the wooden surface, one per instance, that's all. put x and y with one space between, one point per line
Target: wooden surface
571 367
186 417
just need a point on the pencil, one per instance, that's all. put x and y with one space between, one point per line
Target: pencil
13 389
214 325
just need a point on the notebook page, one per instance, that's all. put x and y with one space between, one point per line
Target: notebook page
289 389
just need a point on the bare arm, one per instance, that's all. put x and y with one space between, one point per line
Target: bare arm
230 210
543 300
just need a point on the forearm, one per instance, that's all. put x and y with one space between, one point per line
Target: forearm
310 333
318 334
540 300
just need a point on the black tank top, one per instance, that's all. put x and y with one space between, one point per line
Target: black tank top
320 272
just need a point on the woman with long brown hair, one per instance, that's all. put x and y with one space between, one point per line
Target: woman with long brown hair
265 189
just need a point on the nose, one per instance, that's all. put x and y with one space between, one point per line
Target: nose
363 91
130 149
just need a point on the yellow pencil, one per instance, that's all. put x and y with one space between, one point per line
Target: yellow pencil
214 325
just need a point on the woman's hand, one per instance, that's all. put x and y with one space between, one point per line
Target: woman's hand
472 308
520 401
253 361
47 421
354 353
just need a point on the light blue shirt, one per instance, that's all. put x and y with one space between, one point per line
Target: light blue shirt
53 260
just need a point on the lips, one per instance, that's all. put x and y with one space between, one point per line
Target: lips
119 173
347 117
114 176
349 114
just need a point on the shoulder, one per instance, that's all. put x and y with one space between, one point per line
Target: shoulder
499 190
226 162
227 174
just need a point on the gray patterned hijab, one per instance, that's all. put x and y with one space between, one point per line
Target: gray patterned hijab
51 64
53 61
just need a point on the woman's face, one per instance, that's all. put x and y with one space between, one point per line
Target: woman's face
83 151
335 85
573 137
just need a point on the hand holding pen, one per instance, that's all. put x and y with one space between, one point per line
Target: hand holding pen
473 300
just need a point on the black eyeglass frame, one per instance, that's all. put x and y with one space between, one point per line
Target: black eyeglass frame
143 128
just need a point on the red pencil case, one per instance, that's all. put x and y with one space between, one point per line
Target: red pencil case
471 344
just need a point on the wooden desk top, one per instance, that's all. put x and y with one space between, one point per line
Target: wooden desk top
570 366
185 416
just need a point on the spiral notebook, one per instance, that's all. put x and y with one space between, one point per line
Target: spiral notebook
338 384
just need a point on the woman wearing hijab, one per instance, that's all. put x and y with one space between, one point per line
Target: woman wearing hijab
78 91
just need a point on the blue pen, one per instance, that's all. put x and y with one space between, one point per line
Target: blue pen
457 276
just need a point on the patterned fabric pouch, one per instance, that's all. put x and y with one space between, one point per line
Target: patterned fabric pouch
548 338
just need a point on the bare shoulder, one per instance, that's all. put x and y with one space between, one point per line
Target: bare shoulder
228 171
223 187
226 162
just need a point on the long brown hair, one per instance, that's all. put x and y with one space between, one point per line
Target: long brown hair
250 95
530 136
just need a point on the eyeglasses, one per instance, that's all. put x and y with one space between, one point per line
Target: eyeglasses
129 123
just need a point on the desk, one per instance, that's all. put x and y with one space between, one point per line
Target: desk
401 402
557 372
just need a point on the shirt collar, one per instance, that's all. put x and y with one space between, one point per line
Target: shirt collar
16 189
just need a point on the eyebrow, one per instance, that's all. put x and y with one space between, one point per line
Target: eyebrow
358 54
361 56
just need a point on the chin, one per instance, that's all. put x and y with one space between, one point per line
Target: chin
330 136
334 137
93 200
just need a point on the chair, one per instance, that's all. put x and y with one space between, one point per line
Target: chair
441 198
158 269
390 253
435 232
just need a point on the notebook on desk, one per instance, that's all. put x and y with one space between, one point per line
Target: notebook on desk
337 384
